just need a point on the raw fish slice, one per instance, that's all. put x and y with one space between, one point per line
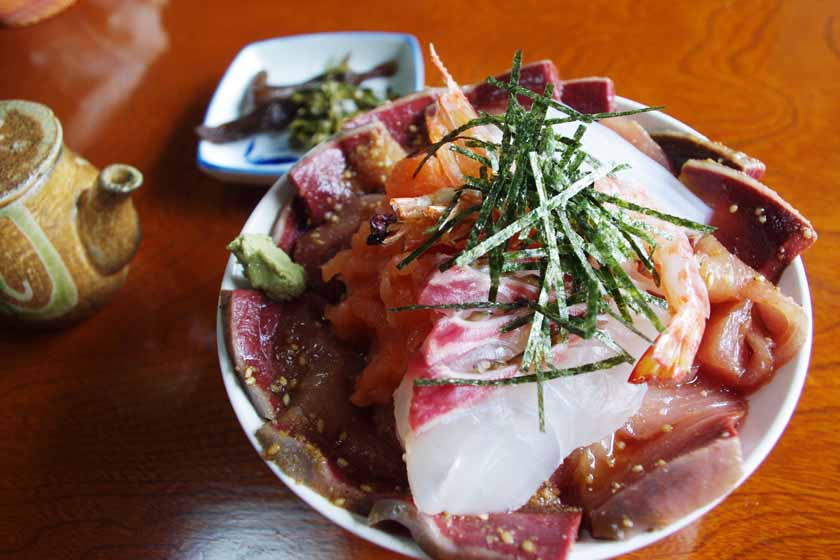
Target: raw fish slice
526 534
680 147
644 174
671 492
461 439
756 224
664 463
589 95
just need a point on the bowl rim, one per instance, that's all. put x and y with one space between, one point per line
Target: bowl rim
269 173
262 219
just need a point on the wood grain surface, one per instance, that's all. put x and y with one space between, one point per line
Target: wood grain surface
117 438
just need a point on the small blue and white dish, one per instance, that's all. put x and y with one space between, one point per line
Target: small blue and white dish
262 158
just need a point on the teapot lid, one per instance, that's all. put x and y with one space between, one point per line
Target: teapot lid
30 142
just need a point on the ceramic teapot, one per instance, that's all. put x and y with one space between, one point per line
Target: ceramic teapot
67 230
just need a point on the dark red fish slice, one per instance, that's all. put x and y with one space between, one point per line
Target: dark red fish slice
589 95
754 222
680 147
298 376
534 76
545 534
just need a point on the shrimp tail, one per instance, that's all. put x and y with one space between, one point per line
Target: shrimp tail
670 357
451 84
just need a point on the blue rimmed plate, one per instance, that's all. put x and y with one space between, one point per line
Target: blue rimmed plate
263 158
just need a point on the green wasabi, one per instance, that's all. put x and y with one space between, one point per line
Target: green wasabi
268 267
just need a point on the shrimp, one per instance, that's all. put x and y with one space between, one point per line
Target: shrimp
453 110
670 357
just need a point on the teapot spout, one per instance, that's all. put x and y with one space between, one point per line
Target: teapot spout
108 224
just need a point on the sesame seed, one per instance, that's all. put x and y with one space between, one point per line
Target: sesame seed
340 502
342 462
302 360
661 463
294 346
320 426
759 211
762 219
725 434
283 381
627 522
483 516
506 536
620 444
342 436
704 393
529 546
250 381
663 411
273 449
286 399
249 371
807 233
366 488
638 468
293 383
590 478
616 486
667 428
733 208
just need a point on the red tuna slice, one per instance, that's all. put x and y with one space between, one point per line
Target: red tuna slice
672 424
754 222
287 228
250 321
300 379
320 180
372 152
589 95
670 492
546 534
321 243
680 147
404 118
534 76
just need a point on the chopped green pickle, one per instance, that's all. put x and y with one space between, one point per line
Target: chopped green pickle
267 267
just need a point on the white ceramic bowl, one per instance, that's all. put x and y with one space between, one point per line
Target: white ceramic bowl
770 408
262 158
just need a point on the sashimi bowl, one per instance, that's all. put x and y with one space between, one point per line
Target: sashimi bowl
770 407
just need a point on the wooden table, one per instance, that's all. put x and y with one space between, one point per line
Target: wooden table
118 440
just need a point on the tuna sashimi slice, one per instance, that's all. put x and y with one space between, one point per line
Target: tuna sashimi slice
404 118
299 377
287 228
754 223
534 76
589 95
680 147
517 535
320 181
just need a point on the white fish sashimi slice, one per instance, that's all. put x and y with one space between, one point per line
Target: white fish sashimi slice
491 456
644 173
486 453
